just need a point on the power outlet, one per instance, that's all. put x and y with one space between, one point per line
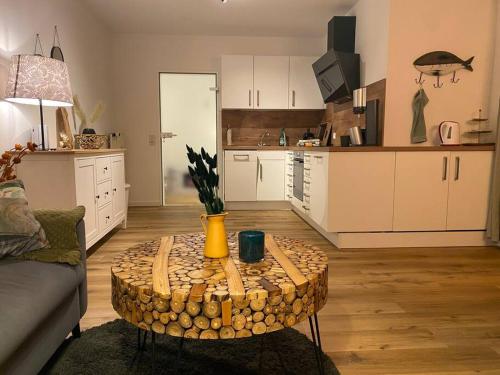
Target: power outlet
152 140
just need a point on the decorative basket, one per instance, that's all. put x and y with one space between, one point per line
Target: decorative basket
91 141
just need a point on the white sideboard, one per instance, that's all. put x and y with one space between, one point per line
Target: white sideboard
65 179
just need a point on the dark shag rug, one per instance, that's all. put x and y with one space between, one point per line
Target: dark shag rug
112 349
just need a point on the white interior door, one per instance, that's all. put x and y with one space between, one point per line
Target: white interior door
188 104
271 82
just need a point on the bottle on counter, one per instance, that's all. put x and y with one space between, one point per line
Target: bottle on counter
282 137
229 136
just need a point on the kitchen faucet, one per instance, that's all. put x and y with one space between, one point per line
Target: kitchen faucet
266 134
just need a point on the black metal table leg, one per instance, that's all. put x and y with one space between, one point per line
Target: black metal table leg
261 353
318 351
153 341
142 346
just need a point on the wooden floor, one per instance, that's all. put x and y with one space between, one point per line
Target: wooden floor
390 311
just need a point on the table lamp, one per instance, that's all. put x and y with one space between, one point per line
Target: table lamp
38 80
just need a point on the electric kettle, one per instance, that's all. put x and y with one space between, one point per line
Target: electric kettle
449 133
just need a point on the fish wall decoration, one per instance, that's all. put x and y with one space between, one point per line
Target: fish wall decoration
441 63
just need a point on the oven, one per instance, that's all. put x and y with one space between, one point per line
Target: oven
298 175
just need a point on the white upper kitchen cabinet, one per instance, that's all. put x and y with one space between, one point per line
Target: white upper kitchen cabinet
271 82
304 92
240 173
361 191
237 81
270 175
421 191
469 189
318 193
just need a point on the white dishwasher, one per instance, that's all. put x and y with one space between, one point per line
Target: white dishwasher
240 176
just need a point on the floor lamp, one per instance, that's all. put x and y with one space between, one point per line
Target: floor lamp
39 80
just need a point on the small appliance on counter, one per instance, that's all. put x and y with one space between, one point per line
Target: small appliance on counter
355 136
449 133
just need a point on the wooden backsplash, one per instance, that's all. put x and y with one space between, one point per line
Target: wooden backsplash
342 117
248 126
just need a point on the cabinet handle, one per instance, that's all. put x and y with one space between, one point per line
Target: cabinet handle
107 217
457 168
249 98
258 98
97 196
318 157
445 168
261 171
241 157
105 168
114 189
307 195
291 186
307 169
293 98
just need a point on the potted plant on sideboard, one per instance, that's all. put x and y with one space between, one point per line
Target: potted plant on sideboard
206 180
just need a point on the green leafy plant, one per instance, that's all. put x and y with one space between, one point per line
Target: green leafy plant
205 179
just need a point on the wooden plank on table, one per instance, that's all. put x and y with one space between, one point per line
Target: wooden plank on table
197 291
291 270
161 284
234 282
227 312
272 290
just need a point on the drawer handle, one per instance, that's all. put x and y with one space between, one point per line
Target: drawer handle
105 168
114 189
306 182
97 196
107 217
318 157
241 157
307 169
106 193
290 185
457 168
306 195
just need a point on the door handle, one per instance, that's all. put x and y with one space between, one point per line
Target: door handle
457 168
445 168
165 135
249 98
261 171
293 98
258 98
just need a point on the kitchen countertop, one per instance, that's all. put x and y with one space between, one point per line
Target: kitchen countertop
79 151
364 148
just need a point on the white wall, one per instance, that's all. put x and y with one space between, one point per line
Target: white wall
463 27
372 38
137 60
494 114
86 47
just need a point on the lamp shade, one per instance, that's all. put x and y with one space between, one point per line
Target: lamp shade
36 80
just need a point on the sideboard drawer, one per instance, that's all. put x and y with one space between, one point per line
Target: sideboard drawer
105 217
104 193
103 169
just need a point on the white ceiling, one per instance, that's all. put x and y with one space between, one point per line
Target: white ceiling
296 18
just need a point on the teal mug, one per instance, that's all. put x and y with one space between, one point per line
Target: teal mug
251 246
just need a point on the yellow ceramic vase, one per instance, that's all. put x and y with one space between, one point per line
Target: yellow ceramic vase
216 238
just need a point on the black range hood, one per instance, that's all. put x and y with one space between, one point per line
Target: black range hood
337 72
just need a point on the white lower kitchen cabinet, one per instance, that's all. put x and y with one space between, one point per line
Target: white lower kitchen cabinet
469 190
270 175
421 190
240 176
93 179
317 196
360 191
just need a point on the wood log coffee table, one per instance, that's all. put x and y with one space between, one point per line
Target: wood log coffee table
169 287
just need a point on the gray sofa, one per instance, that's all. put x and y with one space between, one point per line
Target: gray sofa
40 304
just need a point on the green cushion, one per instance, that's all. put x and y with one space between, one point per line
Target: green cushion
20 232
60 228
